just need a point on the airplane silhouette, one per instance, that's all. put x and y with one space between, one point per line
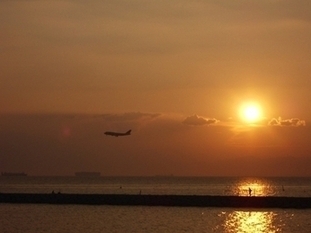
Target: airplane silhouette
116 134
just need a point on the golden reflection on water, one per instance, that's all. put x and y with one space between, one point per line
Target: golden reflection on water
254 187
250 221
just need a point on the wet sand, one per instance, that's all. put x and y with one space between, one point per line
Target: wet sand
158 200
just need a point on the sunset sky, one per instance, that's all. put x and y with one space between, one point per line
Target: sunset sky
178 73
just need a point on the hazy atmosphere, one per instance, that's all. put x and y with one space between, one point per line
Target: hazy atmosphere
217 88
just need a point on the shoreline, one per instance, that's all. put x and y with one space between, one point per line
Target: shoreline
158 200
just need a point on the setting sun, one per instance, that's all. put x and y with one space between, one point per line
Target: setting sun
250 112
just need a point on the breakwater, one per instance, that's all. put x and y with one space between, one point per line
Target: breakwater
158 200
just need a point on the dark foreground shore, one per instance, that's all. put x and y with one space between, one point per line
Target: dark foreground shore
158 200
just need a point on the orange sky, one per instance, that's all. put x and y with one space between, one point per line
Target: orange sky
160 144
176 72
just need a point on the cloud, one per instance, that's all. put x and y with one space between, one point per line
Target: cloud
287 122
197 120
161 145
130 116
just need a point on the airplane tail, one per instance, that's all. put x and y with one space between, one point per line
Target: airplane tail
128 132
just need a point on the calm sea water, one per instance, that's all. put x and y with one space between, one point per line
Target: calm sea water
82 218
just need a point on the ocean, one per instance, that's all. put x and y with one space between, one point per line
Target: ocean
84 218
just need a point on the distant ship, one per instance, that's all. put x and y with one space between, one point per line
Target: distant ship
13 174
87 174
